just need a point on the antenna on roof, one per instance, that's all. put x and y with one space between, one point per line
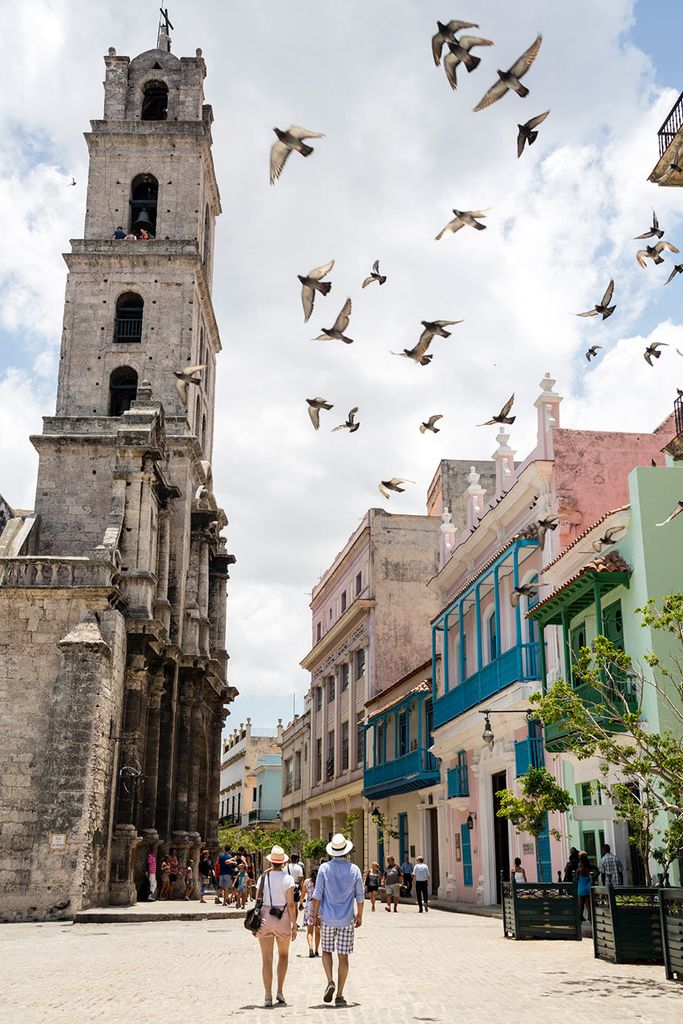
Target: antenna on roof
164 33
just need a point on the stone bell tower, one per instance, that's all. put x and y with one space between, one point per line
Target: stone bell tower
113 589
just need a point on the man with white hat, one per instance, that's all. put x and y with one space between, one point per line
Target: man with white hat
338 887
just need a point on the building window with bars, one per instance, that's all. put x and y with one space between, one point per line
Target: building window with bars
345 746
128 323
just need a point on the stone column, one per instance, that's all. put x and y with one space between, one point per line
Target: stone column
211 815
164 811
183 757
194 759
149 802
132 746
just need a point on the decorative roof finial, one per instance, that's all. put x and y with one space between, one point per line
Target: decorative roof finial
164 33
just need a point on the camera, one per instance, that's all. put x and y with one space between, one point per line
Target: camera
277 912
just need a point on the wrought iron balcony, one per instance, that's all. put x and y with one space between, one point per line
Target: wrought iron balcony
415 770
602 707
672 124
458 781
518 665
528 754
128 329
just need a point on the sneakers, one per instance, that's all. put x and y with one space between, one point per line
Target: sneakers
311 955
340 1001
329 992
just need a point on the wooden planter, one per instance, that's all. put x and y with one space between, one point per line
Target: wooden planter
626 924
541 911
671 911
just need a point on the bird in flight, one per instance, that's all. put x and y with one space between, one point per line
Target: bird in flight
429 424
678 508
654 253
461 218
336 332
431 328
543 525
607 539
393 485
653 350
350 424
286 142
314 407
678 269
655 231
503 416
592 352
374 275
526 132
186 377
312 283
446 34
510 79
71 183
460 53
603 307
529 590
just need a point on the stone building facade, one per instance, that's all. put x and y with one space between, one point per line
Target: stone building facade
113 588
245 751
296 781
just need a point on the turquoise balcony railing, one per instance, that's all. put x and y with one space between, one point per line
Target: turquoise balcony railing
458 781
415 770
624 698
519 664
528 754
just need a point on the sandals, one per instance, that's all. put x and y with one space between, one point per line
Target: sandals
280 1000
329 992
268 1001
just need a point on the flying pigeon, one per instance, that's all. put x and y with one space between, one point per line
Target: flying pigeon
607 538
186 377
339 326
592 351
431 328
678 508
286 142
653 350
437 327
393 485
417 354
374 275
653 252
461 218
460 53
510 79
502 416
603 306
446 34
314 407
543 525
350 423
678 269
429 424
526 132
526 590
312 283
71 183
655 231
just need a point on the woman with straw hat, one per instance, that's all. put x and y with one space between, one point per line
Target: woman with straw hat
278 922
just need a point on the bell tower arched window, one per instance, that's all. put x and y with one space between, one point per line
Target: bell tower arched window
123 389
154 101
144 193
128 326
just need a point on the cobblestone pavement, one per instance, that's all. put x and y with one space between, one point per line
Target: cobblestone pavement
437 967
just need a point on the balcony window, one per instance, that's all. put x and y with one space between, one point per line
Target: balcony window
318 760
343 602
403 721
329 763
128 323
330 689
345 746
380 742
360 663
345 676
318 698
492 634
360 738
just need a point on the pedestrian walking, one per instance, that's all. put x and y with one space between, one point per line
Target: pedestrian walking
421 876
373 878
152 873
188 877
173 870
392 884
572 865
407 872
338 887
225 862
517 874
611 868
165 883
205 872
278 923
312 929
241 886
584 876
297 872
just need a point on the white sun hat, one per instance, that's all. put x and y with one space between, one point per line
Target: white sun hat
277 856
339 846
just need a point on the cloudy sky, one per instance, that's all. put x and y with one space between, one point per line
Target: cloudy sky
401 150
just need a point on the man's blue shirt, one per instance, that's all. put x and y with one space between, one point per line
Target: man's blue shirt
338 884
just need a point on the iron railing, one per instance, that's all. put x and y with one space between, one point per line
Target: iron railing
418 763
519 664
128 329
672 124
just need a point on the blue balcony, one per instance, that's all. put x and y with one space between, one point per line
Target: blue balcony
415 770
458 781
520 664
528 754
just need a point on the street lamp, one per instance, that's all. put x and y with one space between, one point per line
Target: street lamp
470 820
487 734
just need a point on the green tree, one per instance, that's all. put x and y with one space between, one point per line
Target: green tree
314 849
528 812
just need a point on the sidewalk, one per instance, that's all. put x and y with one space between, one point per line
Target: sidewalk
158 910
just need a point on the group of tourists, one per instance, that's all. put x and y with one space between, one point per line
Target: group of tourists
142 235
398 882
228 877
580 869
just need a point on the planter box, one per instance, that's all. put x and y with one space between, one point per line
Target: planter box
541 911
671 911
626 924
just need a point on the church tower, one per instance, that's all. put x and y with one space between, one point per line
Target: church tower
113 589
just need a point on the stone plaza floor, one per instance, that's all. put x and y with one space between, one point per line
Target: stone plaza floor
407 967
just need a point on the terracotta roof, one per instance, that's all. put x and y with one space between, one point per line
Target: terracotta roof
424 687
584 534
611 562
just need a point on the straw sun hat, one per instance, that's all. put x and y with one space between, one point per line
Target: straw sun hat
339 846
277 856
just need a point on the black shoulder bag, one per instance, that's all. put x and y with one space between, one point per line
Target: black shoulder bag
252 918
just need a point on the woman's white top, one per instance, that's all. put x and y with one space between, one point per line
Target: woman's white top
519 876
275 885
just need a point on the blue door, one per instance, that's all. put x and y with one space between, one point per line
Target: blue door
403 838
380 851
543 861
466 843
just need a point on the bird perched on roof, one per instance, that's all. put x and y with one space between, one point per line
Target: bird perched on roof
654 252
311 283
429 424
336 331
592 352
678 508
286 142
653 350
542 527
607 539
314 407
461 218
374 275
527 134
393 485
350 422
446 34
603 307
460 53
186 377
503 416
678 269
510 79
654 232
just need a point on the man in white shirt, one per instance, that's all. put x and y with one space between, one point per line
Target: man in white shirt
297 872
421 876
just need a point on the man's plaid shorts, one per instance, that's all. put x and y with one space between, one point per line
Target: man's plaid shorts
337 939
